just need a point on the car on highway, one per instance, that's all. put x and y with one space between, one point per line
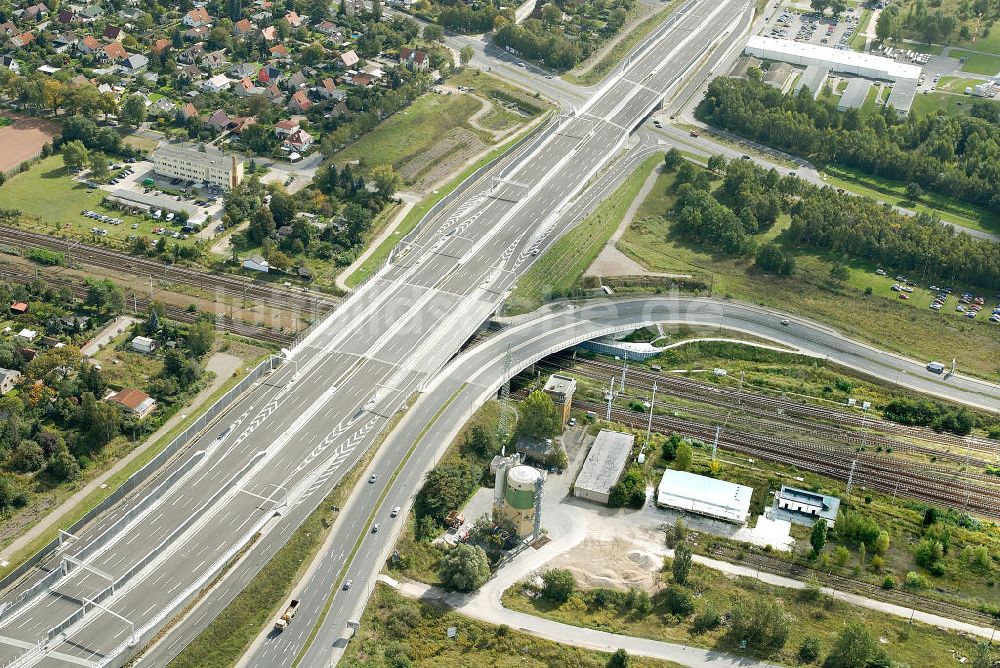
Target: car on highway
375 528
373 478
347 585
395 511
785 322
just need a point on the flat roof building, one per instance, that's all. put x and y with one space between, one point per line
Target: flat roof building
838 60
561 389
814 78
706 496
854 95
901 97
190 163
805 507
604 465
779 75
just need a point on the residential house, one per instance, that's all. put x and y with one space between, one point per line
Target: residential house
294 20
353 7
91 13
348 59
327 89
218 121
268 75
197 33
134 64
20 308
160 45
197 18
242 28
134 401
297 80
328 28
8 63
112 53
143 344
414 59
285 128
192 72
8 29
300 141
237 124
300 101
192 54
256 263
363 80
280 52
35 13
214 60
245 87
242 70
217 84
163 107
66 17
88 45
62 42
274 94
47 70
113 33
269 33
22 40
188 111
8 379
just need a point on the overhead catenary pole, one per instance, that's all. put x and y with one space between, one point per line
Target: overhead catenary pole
649 425
611 396
624 369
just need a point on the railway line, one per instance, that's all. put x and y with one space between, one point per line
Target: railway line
270 295
140 304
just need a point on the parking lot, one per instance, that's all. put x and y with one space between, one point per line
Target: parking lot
944 298
811 28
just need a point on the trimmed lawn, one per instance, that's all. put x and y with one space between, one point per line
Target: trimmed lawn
563 264
141 143
412 131
978 63
907 327
956 84
53 201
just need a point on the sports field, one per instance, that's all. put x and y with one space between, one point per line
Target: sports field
23 139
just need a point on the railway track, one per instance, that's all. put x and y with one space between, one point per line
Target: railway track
262 293
988 451
140 305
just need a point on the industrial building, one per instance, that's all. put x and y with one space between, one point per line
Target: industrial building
854 95
198 164
521 489
604 465
560 389
706 496
844 61
779 75
813 78
901 97
805 507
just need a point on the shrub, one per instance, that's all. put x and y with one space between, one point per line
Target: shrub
888 582
915 580
759 622
678 601
558 585
809 649
706 620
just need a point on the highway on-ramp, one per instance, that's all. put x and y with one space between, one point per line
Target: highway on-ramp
112 587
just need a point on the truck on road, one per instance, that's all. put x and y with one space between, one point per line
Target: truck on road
286 618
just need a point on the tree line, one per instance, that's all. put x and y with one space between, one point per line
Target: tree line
956 156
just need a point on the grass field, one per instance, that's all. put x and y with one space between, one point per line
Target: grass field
618 51
978 63
399 632
141 143
858 40
911 644
956 84
943 207
412 131
906 327
53 200
562 265
498 92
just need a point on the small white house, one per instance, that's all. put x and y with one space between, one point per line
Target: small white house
27 335
217 84
143 344
8 379
256 263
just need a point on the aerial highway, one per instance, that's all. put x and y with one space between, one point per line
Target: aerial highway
475 376
275 454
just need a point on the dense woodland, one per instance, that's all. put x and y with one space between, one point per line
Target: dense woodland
957 156
725 206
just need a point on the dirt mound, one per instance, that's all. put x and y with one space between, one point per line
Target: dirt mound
614 564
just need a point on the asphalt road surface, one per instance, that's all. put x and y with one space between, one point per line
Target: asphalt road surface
475 376
289 440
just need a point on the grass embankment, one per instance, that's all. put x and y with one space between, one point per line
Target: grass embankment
417 213
614 56
906 327
394 627
115 481
224 641
561 267
511 105
944 207
858 39
912 644
53 202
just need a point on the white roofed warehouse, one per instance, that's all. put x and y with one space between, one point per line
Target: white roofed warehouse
706 496
604 466
843 61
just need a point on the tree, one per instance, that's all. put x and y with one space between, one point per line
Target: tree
681 567
376 9
433 32
539 417
63 465
672 159
465 567
839 272
885 27
772 258
75 155
12 495
133 111
445 488
717 163
28 456
282 207
759 622
387 180
817 538
982 655
682 460
551 14
679 601
465 55
558 585
65 360
620 659
99 166
481 441
914 192
200 337
105 295
854 647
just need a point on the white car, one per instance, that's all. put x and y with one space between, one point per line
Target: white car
395 511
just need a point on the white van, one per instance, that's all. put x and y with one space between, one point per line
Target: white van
935 367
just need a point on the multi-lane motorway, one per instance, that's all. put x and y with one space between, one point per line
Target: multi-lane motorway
286 443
